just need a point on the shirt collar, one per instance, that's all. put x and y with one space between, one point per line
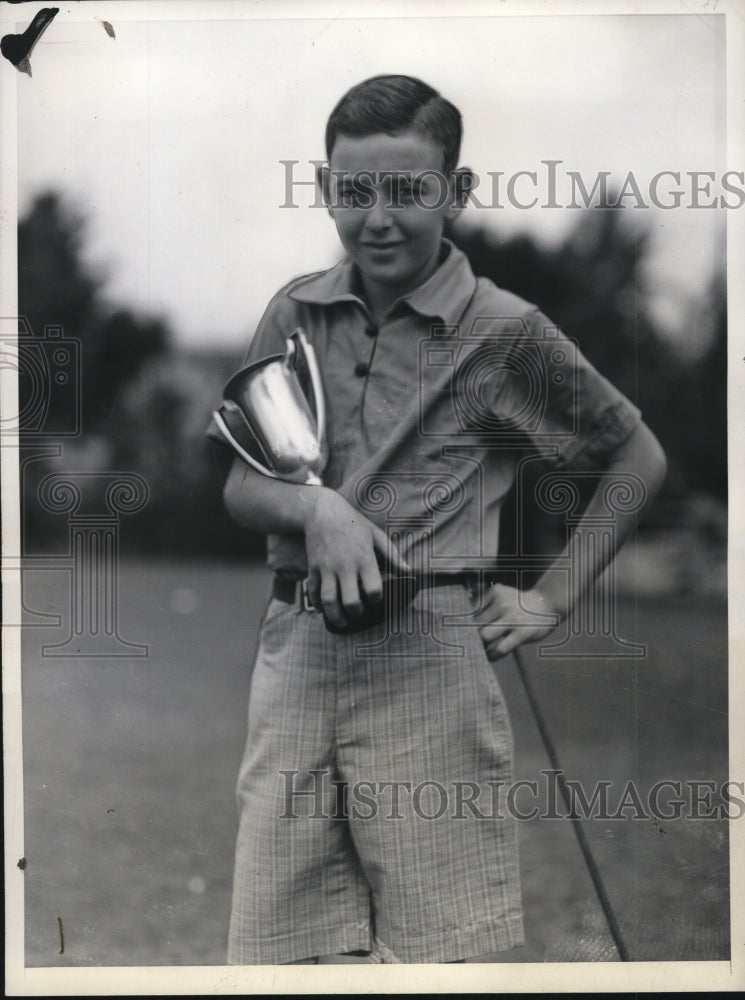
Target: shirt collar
445 294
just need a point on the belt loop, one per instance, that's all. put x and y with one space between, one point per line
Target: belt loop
302 601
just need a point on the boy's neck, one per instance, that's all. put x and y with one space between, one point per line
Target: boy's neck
379 298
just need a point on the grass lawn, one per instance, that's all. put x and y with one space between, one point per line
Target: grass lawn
130 767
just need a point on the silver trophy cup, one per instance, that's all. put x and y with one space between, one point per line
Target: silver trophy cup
273 414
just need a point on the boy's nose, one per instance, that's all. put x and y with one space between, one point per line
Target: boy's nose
378 216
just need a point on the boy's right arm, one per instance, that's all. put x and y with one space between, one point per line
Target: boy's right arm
340 542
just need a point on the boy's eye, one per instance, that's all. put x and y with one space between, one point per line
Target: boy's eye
356 195
405 192
360 193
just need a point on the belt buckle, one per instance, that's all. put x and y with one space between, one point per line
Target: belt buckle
303 600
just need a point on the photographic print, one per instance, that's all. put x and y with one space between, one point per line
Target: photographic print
370 547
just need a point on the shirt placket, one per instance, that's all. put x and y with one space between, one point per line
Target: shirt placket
363 370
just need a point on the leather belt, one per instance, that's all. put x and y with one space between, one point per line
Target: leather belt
285 588
291 591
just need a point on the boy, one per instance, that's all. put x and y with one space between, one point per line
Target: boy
422 453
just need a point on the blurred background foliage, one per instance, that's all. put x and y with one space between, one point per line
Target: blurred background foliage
146 400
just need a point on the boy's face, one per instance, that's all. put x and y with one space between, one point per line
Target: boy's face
389 198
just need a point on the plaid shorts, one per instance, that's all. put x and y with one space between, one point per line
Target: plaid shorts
369 792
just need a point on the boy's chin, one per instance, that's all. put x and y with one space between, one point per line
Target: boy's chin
395 278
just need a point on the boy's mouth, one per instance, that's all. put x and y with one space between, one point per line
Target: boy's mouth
382 246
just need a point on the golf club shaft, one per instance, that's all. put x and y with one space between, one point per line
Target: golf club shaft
584 846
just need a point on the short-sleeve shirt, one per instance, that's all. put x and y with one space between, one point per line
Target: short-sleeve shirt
429 411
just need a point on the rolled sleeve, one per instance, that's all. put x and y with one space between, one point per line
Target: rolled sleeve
602 434
572 415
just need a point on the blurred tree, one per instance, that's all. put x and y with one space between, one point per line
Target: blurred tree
158 430
592 284
145 406
57 287
53 284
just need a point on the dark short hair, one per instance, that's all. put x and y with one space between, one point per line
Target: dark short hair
392 104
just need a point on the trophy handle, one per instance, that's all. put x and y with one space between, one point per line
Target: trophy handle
228 406
304 354
230 438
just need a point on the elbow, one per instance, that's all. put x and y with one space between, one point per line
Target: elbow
228 499
234 494
657 464
643 455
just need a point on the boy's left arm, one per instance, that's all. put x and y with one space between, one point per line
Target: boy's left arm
511 614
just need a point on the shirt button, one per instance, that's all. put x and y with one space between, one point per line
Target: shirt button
361 369
371 330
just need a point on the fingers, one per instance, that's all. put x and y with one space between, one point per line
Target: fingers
330 600
499 640
340 597
490 633
372 583
498 647
344 572
511 641
351 598
387 548
324 592
314 589
494 636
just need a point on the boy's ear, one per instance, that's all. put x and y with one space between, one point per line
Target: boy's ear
323 179
462 181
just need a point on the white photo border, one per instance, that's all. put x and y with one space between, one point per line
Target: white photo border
225 980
